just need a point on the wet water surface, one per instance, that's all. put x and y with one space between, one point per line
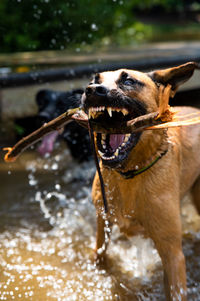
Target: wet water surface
47 237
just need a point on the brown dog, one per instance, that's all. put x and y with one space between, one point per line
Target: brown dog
146 174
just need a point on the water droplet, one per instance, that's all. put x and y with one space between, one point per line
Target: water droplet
94 27
53 41
54 166
32 180
57 187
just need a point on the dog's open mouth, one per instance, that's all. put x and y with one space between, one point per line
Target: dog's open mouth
113 148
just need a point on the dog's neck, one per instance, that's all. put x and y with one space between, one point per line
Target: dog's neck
145 154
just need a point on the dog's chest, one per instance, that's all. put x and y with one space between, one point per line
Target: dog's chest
122 197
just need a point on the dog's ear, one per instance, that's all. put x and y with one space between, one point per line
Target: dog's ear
174 76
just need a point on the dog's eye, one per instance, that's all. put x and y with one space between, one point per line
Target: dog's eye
129 82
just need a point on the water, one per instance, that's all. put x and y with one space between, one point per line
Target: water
47 237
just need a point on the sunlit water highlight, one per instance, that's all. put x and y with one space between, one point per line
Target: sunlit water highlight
47 237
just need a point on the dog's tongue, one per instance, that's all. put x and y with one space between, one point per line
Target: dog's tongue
47 143
116 140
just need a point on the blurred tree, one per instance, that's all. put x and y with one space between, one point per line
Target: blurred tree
27 25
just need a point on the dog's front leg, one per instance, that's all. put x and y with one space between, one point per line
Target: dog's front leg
162 221
174 274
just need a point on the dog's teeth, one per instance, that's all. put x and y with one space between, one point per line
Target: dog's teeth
94 114
116 153
126 138
104 157
124 112
89 113
109 111
103 136
100 153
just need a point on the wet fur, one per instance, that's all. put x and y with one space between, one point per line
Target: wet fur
151 200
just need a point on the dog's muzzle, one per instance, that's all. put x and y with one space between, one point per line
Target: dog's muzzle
109 110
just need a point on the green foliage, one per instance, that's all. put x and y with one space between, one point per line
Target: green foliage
53 24
27 25
19 130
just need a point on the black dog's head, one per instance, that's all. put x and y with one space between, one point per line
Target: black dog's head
53 103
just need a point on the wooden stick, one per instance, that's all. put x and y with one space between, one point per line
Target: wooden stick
80 117
54 125
172 124
134 125
150 121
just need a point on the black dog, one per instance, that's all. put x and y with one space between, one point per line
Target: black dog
53 103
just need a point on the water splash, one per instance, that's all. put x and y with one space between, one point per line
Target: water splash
47 253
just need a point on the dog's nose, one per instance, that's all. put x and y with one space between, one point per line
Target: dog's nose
98 90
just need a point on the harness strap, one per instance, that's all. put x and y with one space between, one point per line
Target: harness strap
132 173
